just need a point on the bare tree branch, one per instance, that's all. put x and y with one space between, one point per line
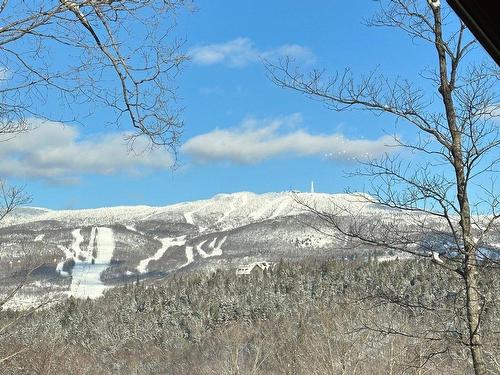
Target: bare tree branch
123 56
430 211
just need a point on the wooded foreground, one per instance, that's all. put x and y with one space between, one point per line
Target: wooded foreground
349 317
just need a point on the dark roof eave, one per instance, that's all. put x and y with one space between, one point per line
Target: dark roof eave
481 17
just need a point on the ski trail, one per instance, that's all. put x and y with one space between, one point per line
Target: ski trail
189 256
86 274
59 268
77 240
68 254
105 245
200 251
217 250
166 243
211 245
189 217
92 243
131 228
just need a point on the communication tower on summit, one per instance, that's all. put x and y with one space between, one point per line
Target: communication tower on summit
312 186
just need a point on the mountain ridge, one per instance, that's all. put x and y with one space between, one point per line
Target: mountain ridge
84 252
225 205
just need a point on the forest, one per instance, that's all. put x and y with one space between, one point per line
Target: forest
307 317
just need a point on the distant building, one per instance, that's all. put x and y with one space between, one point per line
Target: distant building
253 267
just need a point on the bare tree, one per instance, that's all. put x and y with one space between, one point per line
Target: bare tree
451 213
11 197
88 55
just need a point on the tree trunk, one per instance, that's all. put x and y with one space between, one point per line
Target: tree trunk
473 304
470 275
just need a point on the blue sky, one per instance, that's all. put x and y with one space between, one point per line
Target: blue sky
242 133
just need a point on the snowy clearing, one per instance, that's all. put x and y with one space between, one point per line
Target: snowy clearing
200 251
189 217
189 256
86 274
77 240
166 243
216 250
130 228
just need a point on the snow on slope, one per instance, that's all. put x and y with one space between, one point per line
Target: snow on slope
224 216
77 240
189 217
189 256
86 274
223 211
166 243
215 249
199 249
21 214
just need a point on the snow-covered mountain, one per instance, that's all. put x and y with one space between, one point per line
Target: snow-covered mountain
223 211
83 252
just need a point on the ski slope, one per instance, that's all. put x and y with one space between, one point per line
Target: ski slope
86 274
166 243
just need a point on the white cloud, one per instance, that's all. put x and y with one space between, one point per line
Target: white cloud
257 140
57 152
242 51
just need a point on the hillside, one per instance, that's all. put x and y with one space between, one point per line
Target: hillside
83 252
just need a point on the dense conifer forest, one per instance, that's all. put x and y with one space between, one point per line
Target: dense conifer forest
308 317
